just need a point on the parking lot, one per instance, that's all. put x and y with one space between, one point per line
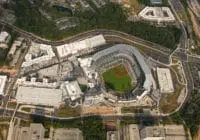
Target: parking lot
195 71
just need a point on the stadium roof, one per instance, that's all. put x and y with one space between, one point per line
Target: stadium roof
149 81
39 96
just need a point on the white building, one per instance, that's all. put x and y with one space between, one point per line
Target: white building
73 90
85 63
23 82
38 53
36 131
3 79
39 96
165 80
80 46
4 39
17 43
157 14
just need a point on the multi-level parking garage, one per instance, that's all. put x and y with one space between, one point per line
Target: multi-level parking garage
136 66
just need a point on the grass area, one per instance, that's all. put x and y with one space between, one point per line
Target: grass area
131 110
147 122
56 12
5 119
12 105
127 122
168 102
117 79
3 131
27 109
83 88
137 7
69 112
25 123
31 20
92 127
188 115
179 73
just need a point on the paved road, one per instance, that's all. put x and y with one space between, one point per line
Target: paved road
82 36
27 116
181 53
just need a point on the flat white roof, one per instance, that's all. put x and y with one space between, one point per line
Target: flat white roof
165 80
35 48
73 90
134 132
2 83
39 96
3 36
158 14
75 47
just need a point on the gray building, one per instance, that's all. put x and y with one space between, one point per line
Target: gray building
155 2
131 132
66 134
34 132
152 133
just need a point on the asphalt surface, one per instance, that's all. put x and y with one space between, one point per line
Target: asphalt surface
82 36
181 51
27 116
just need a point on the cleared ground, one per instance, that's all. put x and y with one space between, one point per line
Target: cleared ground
135 5
3 131
118 79
169 101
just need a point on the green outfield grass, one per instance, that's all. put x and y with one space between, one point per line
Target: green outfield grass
117 79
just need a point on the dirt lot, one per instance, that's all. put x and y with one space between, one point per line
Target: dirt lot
99 110
11 71
194 24
197 137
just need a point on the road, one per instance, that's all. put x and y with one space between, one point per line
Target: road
181 51
28 116
160 53
82 36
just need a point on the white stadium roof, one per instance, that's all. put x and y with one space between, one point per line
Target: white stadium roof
39 96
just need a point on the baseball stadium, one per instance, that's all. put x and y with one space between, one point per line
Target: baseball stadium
123 72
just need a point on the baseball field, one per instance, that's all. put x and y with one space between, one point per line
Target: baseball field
118 79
